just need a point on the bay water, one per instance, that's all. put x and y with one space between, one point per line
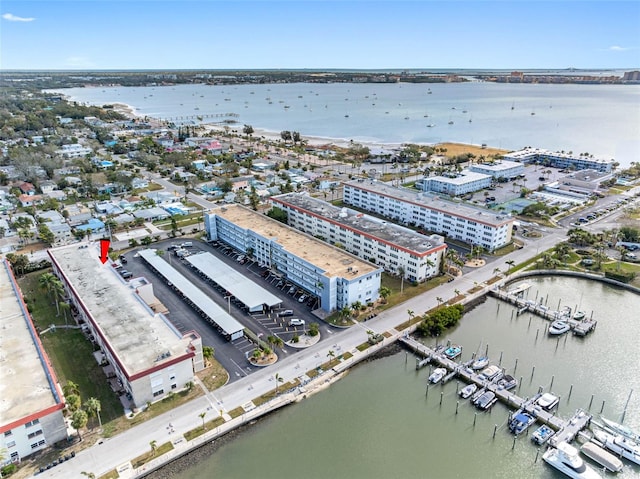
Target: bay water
380 422
603 120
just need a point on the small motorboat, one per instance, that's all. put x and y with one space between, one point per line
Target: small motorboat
566 459
520 422
486 400
548 401
542 435
480 363
491 373
467 391
579 315
507 382
452 352
559 327
602 457
437 375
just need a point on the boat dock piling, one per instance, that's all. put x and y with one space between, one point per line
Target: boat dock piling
579 327
567 429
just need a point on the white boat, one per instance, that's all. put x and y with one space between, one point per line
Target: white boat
485 400
602 457
480 363
542 434
507 382
548 401
559 327
620 429
579 315
437 375
467 391
566 459
620 445
491 373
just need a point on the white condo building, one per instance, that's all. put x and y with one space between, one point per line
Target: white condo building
338 278
499 169
150 357
393 247
455 185
561 159
472 225
31 402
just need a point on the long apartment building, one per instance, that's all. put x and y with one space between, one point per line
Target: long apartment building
469 224
31 402
150 357
338 278
561 159
395 248
455 185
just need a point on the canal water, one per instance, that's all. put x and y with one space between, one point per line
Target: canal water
380 422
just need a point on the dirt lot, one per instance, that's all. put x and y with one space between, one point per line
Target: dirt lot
454 149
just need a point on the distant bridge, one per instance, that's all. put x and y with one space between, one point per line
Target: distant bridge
201 117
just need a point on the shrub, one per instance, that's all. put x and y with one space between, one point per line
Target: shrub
8 470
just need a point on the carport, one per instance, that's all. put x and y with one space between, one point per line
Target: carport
199 301
252 295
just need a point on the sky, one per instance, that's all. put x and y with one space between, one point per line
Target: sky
318 34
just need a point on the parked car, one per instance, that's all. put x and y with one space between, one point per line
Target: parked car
302 298
126 274
286 312
296 322
292 290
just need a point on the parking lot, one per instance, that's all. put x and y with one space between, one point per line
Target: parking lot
232 355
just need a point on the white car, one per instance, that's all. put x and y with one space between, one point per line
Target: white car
302 298
296 322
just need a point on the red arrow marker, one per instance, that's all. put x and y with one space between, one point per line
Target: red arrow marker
104 250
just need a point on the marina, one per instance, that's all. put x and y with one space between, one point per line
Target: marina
562 319
539 406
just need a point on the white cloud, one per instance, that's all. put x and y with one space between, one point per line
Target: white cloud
617 48
13 18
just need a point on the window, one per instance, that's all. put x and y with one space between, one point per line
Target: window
158 393
31 423
34 434
8 433
11 444
174 386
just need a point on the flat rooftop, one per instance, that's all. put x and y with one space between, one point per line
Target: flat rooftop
25 387
251 294
499 165
532 152
462 179
367 225
333 261
434 202
137 336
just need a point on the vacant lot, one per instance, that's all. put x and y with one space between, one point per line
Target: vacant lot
455 149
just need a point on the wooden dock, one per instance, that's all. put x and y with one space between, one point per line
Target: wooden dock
579 327
566 429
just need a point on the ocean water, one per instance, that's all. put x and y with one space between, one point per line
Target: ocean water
603 120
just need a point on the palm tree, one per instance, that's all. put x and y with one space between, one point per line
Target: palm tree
57 290
154 445
70 388
331 355
510 263
401 273
411 315
384 293
496 271
345 312
439 300
46 281
93 406
78 421
201 416
64 306
278 380
277 342
457 292
90 475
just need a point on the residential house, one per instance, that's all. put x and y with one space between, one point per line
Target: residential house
27 188
139 183
47 186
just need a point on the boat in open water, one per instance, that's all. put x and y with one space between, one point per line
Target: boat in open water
619 445
566 459
602 457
